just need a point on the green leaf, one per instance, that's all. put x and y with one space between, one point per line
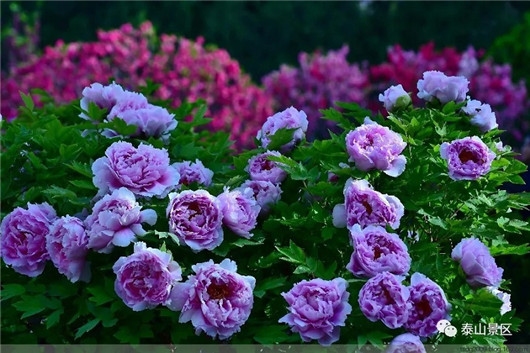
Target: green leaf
30 305
11 290
280 138
56 192
120 126
271 334
268 284
510 250
483 303
53 318
301 269
83 184
81 168
86 327
99 296
376 337
166 235
292 254
28 100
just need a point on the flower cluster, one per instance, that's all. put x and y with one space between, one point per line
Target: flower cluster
185 70
418 307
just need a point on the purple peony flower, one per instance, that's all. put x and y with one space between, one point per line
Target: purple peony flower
240 211
481 115
395 97
193 173
105 97
23 238
444 88
67 244
372 146
195 217
317 309
468 158
477 263
127 101
290 118
427 305
384 298
377 251
116 220
217 300
365 206
406 343
151 121
265 193
144 279
131 107
261 168
504 297
144 170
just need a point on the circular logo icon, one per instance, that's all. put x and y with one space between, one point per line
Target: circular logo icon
442 324
450 331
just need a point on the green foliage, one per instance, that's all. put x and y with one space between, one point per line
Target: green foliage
47 156
514 48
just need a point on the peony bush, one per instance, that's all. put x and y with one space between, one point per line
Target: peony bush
371 236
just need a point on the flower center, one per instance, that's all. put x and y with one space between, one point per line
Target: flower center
268 165
367 206
218 291
388 297
466 156
424 307
194 206
377 252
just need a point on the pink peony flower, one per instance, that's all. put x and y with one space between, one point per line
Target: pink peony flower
116 220
67 244
23 238
144 170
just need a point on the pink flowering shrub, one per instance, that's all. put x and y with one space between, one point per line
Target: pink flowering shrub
322 80
184 69
489 82
317 83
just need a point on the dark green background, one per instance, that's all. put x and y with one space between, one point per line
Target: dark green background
262 35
